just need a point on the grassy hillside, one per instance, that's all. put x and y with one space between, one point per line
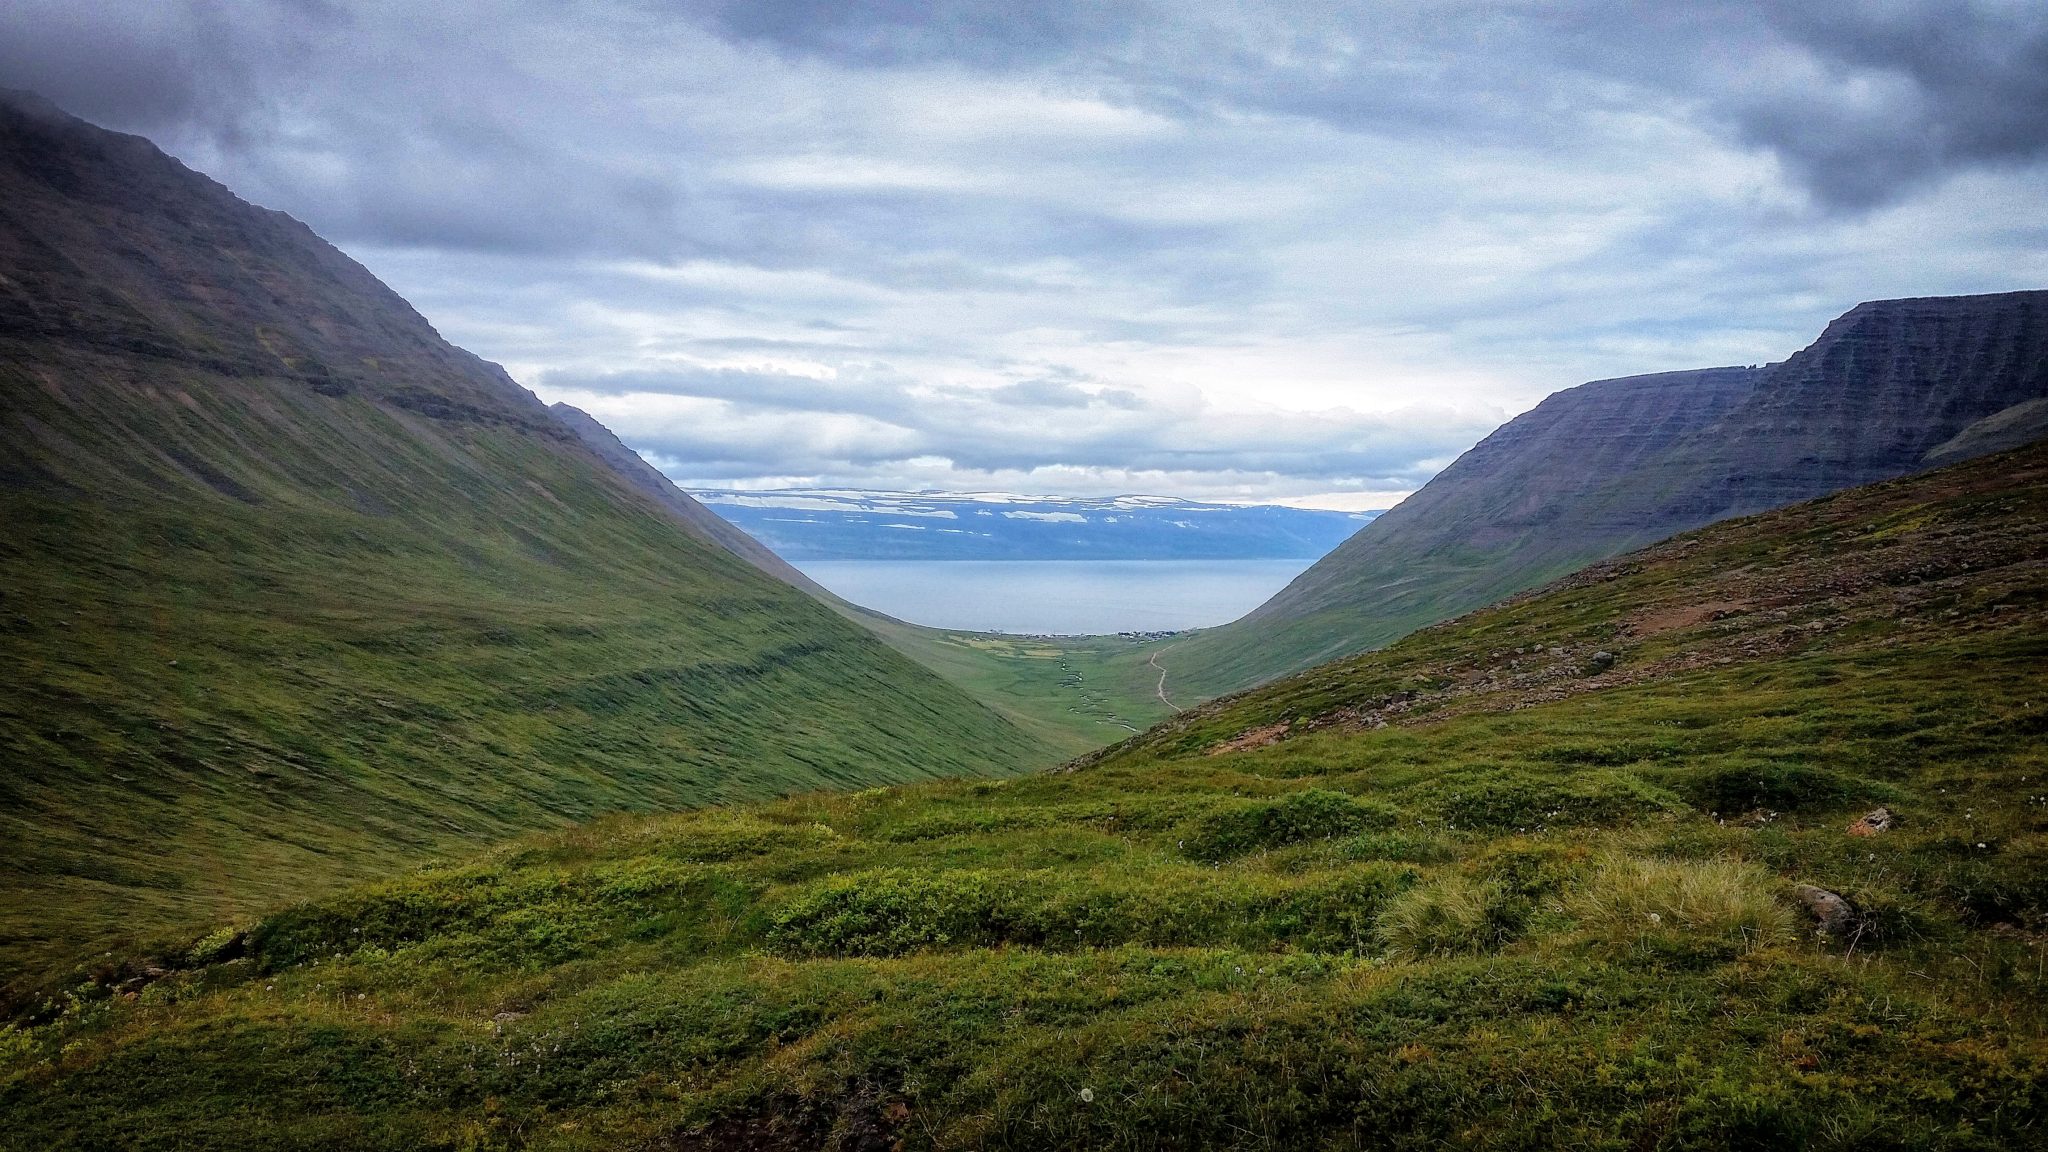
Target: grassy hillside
294 593
213 703
1530 879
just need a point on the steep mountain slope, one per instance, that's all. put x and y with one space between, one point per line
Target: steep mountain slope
1736 842
293 591
689 511
1615 464
2023 423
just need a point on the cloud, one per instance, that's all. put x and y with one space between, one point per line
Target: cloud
986 33
1270 251
1863 102
713 427
1868 103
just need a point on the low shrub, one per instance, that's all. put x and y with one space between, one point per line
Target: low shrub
715 843
1312 814
885 913
218 945
526 919
1504 800
1399 847
892 912
1774 788
1989 882
1532 869
958 823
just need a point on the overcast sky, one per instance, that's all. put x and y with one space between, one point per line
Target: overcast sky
1303 252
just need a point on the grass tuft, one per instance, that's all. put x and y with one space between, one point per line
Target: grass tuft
1455 915
1718 906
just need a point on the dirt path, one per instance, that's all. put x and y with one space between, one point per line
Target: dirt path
1160 691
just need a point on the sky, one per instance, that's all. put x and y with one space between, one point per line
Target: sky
1301 253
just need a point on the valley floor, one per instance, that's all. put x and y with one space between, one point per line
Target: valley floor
1076 694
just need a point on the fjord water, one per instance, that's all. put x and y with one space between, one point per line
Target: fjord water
1058 597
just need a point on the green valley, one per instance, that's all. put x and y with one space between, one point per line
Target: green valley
390 760
1734 842
1076 693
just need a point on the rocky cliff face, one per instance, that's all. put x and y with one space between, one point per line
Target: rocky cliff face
1530 475
1890 387
1884 385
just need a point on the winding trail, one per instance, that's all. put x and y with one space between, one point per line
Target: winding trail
1160 691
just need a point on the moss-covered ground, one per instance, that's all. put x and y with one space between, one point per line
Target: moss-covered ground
1530 879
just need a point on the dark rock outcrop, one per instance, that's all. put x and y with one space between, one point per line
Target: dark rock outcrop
1832 915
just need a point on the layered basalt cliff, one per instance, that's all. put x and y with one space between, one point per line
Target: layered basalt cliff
1882 387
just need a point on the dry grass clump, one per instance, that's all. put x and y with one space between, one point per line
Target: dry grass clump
1717 904
1454 915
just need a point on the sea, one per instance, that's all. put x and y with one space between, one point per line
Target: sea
1058 597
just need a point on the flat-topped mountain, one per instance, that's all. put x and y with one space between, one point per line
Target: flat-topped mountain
1889 388
293 591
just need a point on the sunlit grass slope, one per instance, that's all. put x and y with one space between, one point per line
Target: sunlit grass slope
1488 888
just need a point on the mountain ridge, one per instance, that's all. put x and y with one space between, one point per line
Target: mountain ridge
689 511
1615 464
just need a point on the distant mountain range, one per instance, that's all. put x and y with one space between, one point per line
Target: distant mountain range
850 524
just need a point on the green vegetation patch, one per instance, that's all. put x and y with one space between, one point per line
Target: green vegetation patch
420 638
890 912
1310 814
1774 787
1498 800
